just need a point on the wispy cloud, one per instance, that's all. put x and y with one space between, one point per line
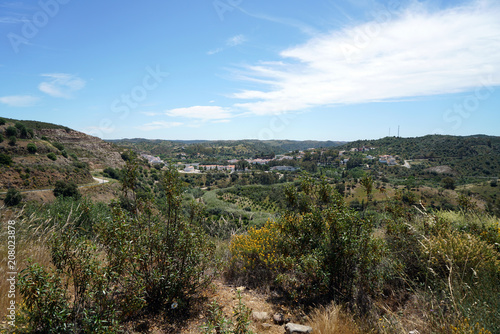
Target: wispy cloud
303 27
236 40
16 5
19 100
204 113
61 85
214 51
151 113
417 53
11 20
230 42
158 125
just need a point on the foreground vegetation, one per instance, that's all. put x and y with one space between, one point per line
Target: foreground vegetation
350 249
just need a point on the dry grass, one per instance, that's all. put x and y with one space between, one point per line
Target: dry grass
29 242
332 320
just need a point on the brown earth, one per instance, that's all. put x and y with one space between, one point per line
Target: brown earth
95 151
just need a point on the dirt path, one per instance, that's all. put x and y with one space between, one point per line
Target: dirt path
226 296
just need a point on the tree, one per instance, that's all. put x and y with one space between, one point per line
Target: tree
367 183
242 164
449 183
13 197
66 189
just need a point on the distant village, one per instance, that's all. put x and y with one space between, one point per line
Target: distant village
231 165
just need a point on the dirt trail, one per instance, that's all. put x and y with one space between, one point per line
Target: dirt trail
226 296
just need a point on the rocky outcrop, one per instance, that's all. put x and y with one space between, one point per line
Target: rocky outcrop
93 150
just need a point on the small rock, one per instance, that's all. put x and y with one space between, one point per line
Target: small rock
292 328
266 326
260 316
240 288
414 332
279 319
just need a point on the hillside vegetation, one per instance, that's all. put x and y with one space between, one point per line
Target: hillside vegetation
34 155
343 242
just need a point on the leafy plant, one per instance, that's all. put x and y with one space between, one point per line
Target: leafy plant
45 306
219 323
11 131
13 197
5 159
66 189
31 148
52 156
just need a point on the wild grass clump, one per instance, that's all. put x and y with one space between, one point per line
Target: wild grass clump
332 319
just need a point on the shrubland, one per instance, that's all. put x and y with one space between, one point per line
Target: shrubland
388 265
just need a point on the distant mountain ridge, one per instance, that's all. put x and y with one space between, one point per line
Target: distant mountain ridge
244 147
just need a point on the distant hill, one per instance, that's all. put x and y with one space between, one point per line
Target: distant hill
477 155
36 154
222 148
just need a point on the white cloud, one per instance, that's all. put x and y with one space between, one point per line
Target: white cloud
151 113
157 125
61 84
230 42
235 40
214 51
408 54
19 100
204 113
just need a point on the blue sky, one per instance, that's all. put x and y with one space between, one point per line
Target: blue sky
241 69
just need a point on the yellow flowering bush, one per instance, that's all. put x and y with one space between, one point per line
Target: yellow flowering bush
464 327
257 248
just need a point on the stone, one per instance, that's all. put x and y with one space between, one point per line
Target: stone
278 319
292 328
241 288
260 316
414 332
266 326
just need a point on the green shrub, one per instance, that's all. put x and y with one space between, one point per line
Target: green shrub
52 156
31 148
112 173
2 121
23 131
13 197
45 308
66 189
318 248
80 164
64 153
12 140
5 159
58 145
1 138
11 131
